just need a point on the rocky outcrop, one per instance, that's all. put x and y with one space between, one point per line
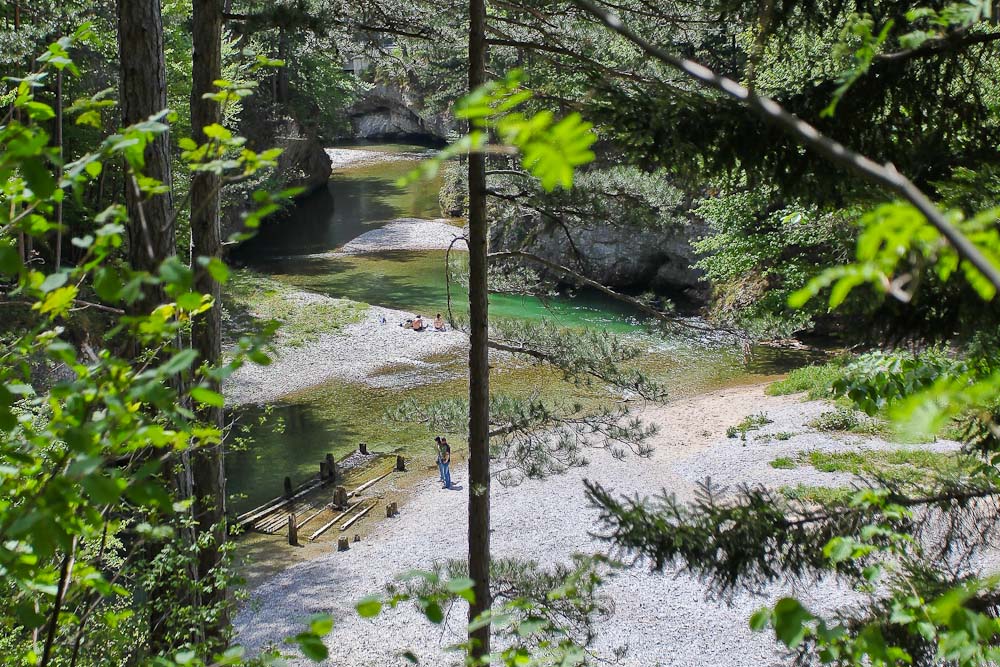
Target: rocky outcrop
618 256
389 112
302 163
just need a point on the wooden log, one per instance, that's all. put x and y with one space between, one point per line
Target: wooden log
315 514
400 463
357 516
293 535
259 514
343 544
334 520
268 505
274 524
369 483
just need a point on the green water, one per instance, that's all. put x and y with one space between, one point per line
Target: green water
291 436
414 281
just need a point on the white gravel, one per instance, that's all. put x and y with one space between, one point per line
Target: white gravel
359 157
663 619
407 234
353 354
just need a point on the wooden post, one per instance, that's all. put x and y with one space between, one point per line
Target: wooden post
331 467
340 497
323 474
343 544
288 487
363 448
293 531
400 463
357 538
388 511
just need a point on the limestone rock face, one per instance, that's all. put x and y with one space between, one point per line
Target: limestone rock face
617 256
389 112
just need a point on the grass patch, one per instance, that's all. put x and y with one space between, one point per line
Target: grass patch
850 420
784 463
783 435
817 495
897 465
749 423
253 299
814 380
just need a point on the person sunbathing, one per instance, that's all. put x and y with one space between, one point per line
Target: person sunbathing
438 323
418 323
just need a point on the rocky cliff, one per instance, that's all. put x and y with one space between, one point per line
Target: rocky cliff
618 256
386 111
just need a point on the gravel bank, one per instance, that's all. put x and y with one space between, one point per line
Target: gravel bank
358 157
662 619
353 354
407 234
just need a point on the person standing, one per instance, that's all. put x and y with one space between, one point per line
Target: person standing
437 449
445 450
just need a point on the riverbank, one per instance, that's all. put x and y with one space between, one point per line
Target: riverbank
549 520
327 345
354 352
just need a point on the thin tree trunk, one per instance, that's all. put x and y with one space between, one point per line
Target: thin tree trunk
151 235
282 73
209 477
479 370
59 144
151 232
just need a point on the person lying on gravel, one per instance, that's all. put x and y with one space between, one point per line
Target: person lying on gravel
438 323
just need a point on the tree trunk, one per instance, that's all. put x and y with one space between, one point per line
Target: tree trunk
282 72
479 369
209 477
151 236
59 145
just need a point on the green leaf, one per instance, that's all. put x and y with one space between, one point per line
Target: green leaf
321 624
312 646
38 177
369 607
434 613
179 362
10 259
206 396
53 281
760 619
789 620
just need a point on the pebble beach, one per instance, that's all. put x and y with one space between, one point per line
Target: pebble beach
659 619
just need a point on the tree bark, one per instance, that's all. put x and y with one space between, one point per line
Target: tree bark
151 235
479 370
209 487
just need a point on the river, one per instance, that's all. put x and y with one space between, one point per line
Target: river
290 437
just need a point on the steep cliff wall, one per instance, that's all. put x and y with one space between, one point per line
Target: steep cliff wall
389 112
615 255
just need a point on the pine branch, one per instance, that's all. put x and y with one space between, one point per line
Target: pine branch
772 113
